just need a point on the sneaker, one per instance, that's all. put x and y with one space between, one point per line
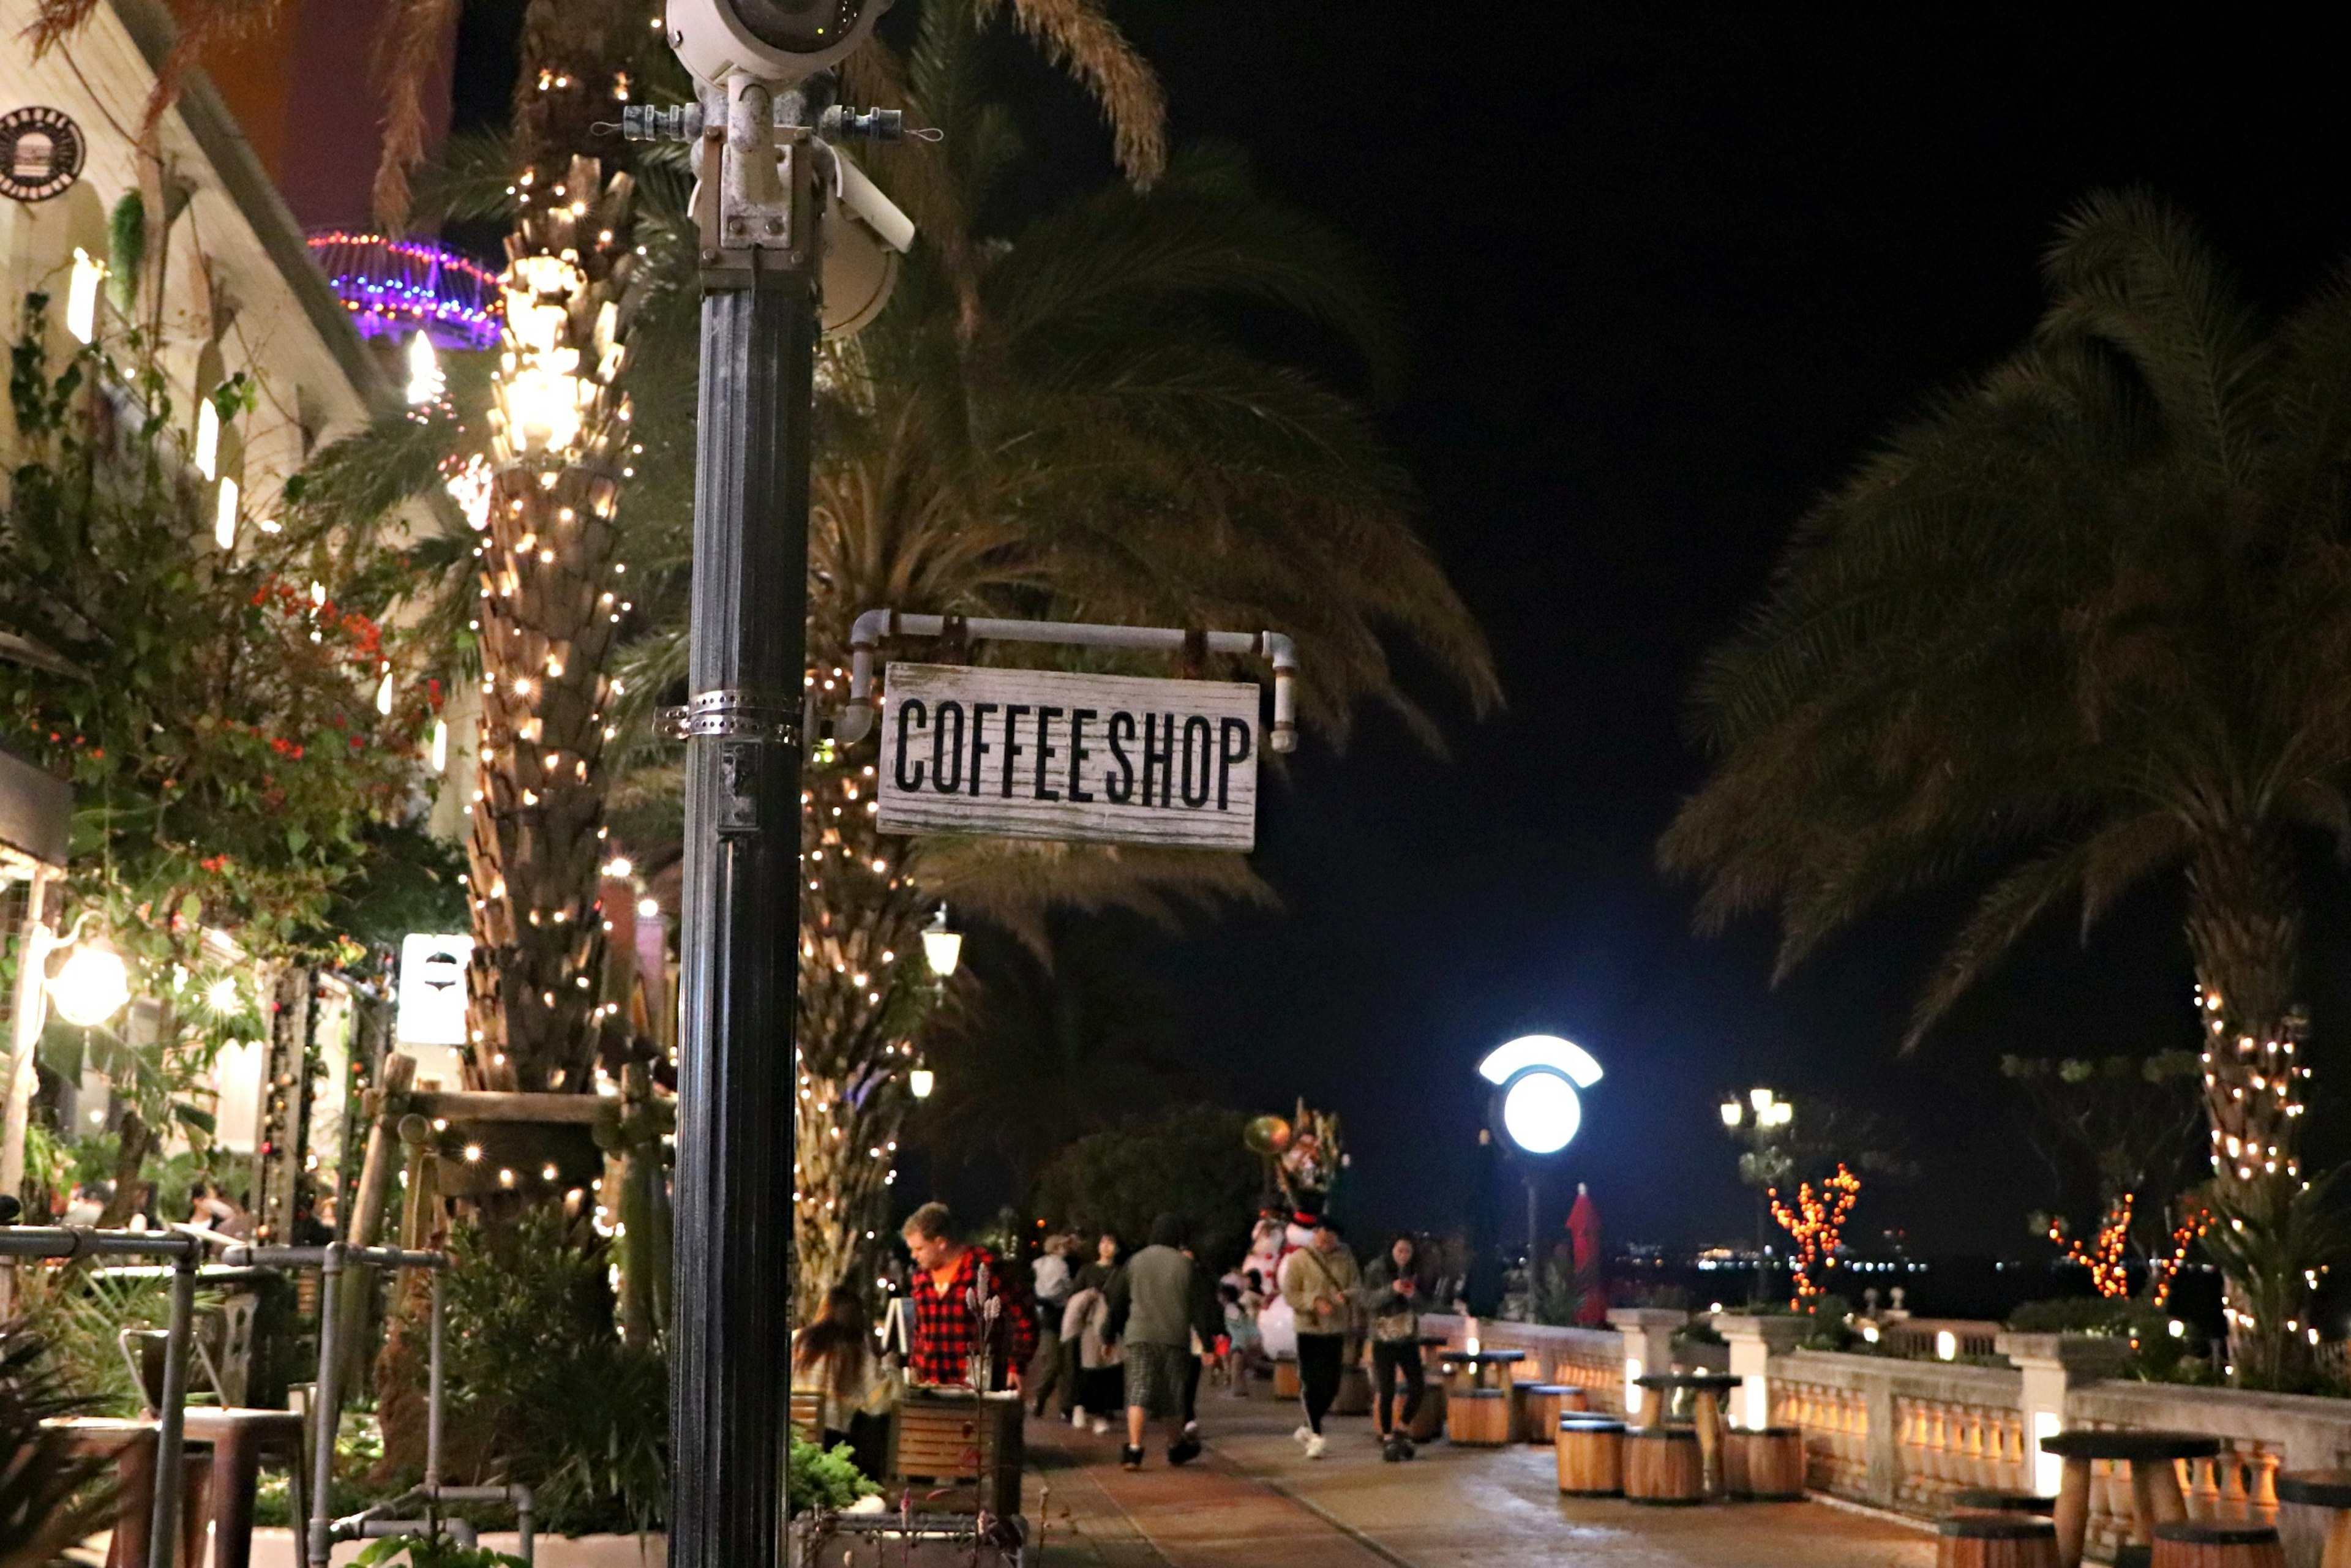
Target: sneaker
1101 1425
1130 1457
1405 1444
1389 1453
1314 1445
1185 1452
1192 1430
1302 1434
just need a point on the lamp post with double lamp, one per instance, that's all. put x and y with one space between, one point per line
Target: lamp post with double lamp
1760 1121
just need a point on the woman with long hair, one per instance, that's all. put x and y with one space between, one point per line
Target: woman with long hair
833 1358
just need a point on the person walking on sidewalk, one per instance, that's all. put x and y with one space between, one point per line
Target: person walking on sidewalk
1052 1282
1393 1292
1319 1282
1151 1316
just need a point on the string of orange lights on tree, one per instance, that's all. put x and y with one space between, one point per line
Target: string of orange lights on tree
1816 1226
2107 1258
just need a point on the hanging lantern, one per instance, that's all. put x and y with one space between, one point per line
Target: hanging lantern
942 947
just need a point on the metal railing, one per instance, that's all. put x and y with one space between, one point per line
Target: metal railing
185 1248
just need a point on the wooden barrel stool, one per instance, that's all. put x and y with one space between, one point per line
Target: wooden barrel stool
1764 1465
1663 1467
1996 1541
1540 1409
2328 1489
1354 1396
1478 1418
1990 1500
1285 1377
1590 1456
1428 1421
2216 1544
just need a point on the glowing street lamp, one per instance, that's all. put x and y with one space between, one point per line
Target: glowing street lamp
94 986
920 1082
1536 1108
942 948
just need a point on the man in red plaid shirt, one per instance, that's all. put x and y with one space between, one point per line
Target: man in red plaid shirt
946 1330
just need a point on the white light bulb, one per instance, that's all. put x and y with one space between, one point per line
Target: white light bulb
1541 1113
922 1081
425 381
207 438
92 987
440 745
81 296
224 516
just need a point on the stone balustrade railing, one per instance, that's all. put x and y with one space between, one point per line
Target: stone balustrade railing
1908 1434
1901 1434
1925 1338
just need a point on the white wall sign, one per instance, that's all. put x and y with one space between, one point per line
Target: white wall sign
432 998
1042 754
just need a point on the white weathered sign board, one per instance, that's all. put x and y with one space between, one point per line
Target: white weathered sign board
1043 753
430 1009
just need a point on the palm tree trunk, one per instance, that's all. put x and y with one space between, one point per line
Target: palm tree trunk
2244 931
864 991
553 590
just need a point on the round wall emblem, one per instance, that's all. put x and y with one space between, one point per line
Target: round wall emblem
40 154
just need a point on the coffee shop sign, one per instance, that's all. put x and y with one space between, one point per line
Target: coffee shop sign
1046 754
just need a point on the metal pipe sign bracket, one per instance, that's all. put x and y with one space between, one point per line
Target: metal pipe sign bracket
1051 754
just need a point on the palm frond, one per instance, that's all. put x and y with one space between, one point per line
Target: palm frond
413 37
2003 914
1079 36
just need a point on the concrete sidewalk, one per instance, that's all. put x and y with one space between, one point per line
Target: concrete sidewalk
1255 1498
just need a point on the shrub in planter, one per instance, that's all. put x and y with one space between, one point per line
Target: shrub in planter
541 1390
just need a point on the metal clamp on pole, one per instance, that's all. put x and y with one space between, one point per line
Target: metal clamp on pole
856 719
750 714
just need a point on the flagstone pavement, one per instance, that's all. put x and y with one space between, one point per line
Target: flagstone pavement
1254 1499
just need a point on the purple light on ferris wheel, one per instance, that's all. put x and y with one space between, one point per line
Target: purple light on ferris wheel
396 287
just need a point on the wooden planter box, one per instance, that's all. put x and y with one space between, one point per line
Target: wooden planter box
959 1452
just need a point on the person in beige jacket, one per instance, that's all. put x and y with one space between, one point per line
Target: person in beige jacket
1320 1281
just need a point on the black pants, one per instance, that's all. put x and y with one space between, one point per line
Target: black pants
869 1441
1391 1357
1191 1389
1318 1373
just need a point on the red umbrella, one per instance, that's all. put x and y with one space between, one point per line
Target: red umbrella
1583 1234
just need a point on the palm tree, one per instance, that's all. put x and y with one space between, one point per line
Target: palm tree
1059 424
1036 1055
2084 622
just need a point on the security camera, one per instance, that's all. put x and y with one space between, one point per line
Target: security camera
775 41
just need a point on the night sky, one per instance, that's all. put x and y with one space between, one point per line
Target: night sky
1669 277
